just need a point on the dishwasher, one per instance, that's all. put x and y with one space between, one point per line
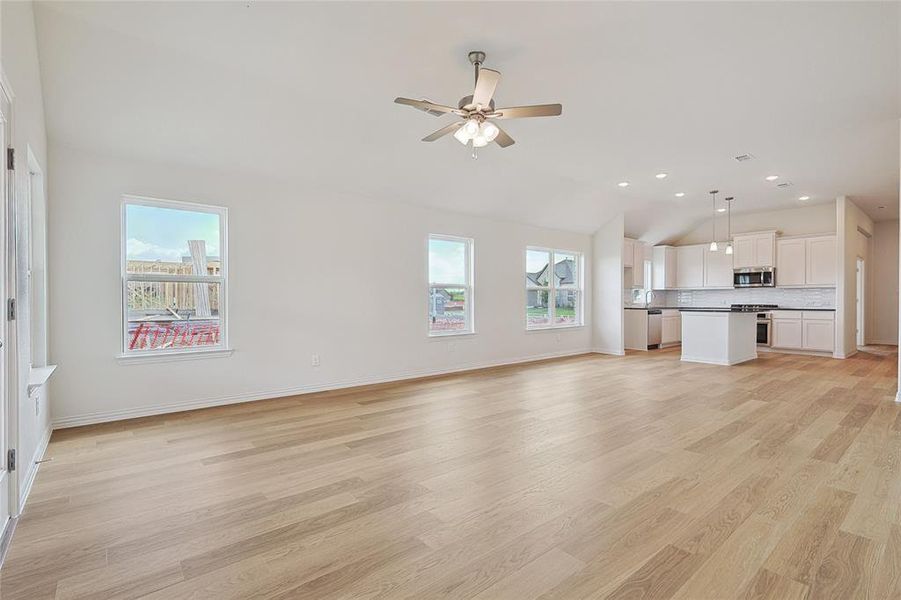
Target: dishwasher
655 325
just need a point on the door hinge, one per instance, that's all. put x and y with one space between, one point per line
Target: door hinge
10 309
11 159
11 459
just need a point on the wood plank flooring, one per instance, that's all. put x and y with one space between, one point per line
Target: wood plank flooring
587 477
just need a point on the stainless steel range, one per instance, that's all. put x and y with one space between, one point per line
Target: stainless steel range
764 320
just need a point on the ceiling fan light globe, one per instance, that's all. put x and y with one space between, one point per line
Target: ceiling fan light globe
462 136
479 141
471 127
489 131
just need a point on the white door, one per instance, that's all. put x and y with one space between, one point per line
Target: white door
861 301
791 262
7 179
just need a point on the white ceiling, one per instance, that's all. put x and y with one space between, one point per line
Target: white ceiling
304 91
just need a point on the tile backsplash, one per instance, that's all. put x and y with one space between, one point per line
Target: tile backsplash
787 297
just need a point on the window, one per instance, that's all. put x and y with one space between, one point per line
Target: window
553 300
450 285
174 277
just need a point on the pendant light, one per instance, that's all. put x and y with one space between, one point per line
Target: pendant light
713 246
729 237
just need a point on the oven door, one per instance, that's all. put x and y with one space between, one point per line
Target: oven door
764 331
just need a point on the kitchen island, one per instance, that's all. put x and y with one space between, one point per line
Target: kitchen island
718 336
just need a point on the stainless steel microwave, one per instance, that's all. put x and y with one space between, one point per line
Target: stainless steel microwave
754 277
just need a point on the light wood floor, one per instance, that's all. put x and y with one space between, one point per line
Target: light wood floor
588 477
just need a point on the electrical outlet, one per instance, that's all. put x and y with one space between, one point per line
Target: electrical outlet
315 360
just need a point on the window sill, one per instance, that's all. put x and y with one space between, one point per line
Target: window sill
164 357
438 336
557 328
38 376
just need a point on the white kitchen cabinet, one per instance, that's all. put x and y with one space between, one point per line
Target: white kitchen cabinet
804 330
787 333
671 328
820 260
638 253
717 268
628 252
754 249
791 261
663 274
690 267
806 261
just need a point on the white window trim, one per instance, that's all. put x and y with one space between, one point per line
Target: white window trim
552 290
127 356
469 313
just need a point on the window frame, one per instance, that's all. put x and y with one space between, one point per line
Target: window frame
552 289
468 287
221 278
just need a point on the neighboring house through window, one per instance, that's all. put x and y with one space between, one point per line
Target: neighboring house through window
174 276
450 285
553 296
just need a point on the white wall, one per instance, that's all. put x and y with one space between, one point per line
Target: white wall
883 322
804 220
19 59
607 319
849 221
311 272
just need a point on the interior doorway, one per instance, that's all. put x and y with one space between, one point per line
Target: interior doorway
861 302
8 430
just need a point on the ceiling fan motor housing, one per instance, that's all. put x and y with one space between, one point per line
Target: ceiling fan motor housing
466 102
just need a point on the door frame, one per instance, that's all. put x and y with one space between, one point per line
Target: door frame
8 389
861 296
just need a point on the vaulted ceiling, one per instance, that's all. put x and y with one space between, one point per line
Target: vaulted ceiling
304 92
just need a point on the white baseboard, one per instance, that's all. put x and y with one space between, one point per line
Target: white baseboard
147 411
722 363
606 351
883 342
33 466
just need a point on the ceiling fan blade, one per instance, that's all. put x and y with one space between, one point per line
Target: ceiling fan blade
502 139
485 86
519 112
443 131
429 107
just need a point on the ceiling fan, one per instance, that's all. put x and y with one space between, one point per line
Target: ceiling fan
477 111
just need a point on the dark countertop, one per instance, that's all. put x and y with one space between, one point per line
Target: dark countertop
723 308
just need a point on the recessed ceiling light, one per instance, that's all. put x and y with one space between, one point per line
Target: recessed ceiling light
623 184
721 210
804 198
660 175
772 177
679 194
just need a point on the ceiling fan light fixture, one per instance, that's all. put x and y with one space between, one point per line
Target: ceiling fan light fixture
462 136
471 128
479 141
489 131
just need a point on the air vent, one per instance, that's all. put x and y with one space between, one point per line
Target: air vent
784 184
744 157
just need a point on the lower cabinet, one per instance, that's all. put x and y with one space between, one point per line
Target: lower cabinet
804 330
671 327
788 333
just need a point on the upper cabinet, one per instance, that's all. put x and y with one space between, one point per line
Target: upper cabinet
806 261
754 249
628 252
663 275
690 266
717 268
